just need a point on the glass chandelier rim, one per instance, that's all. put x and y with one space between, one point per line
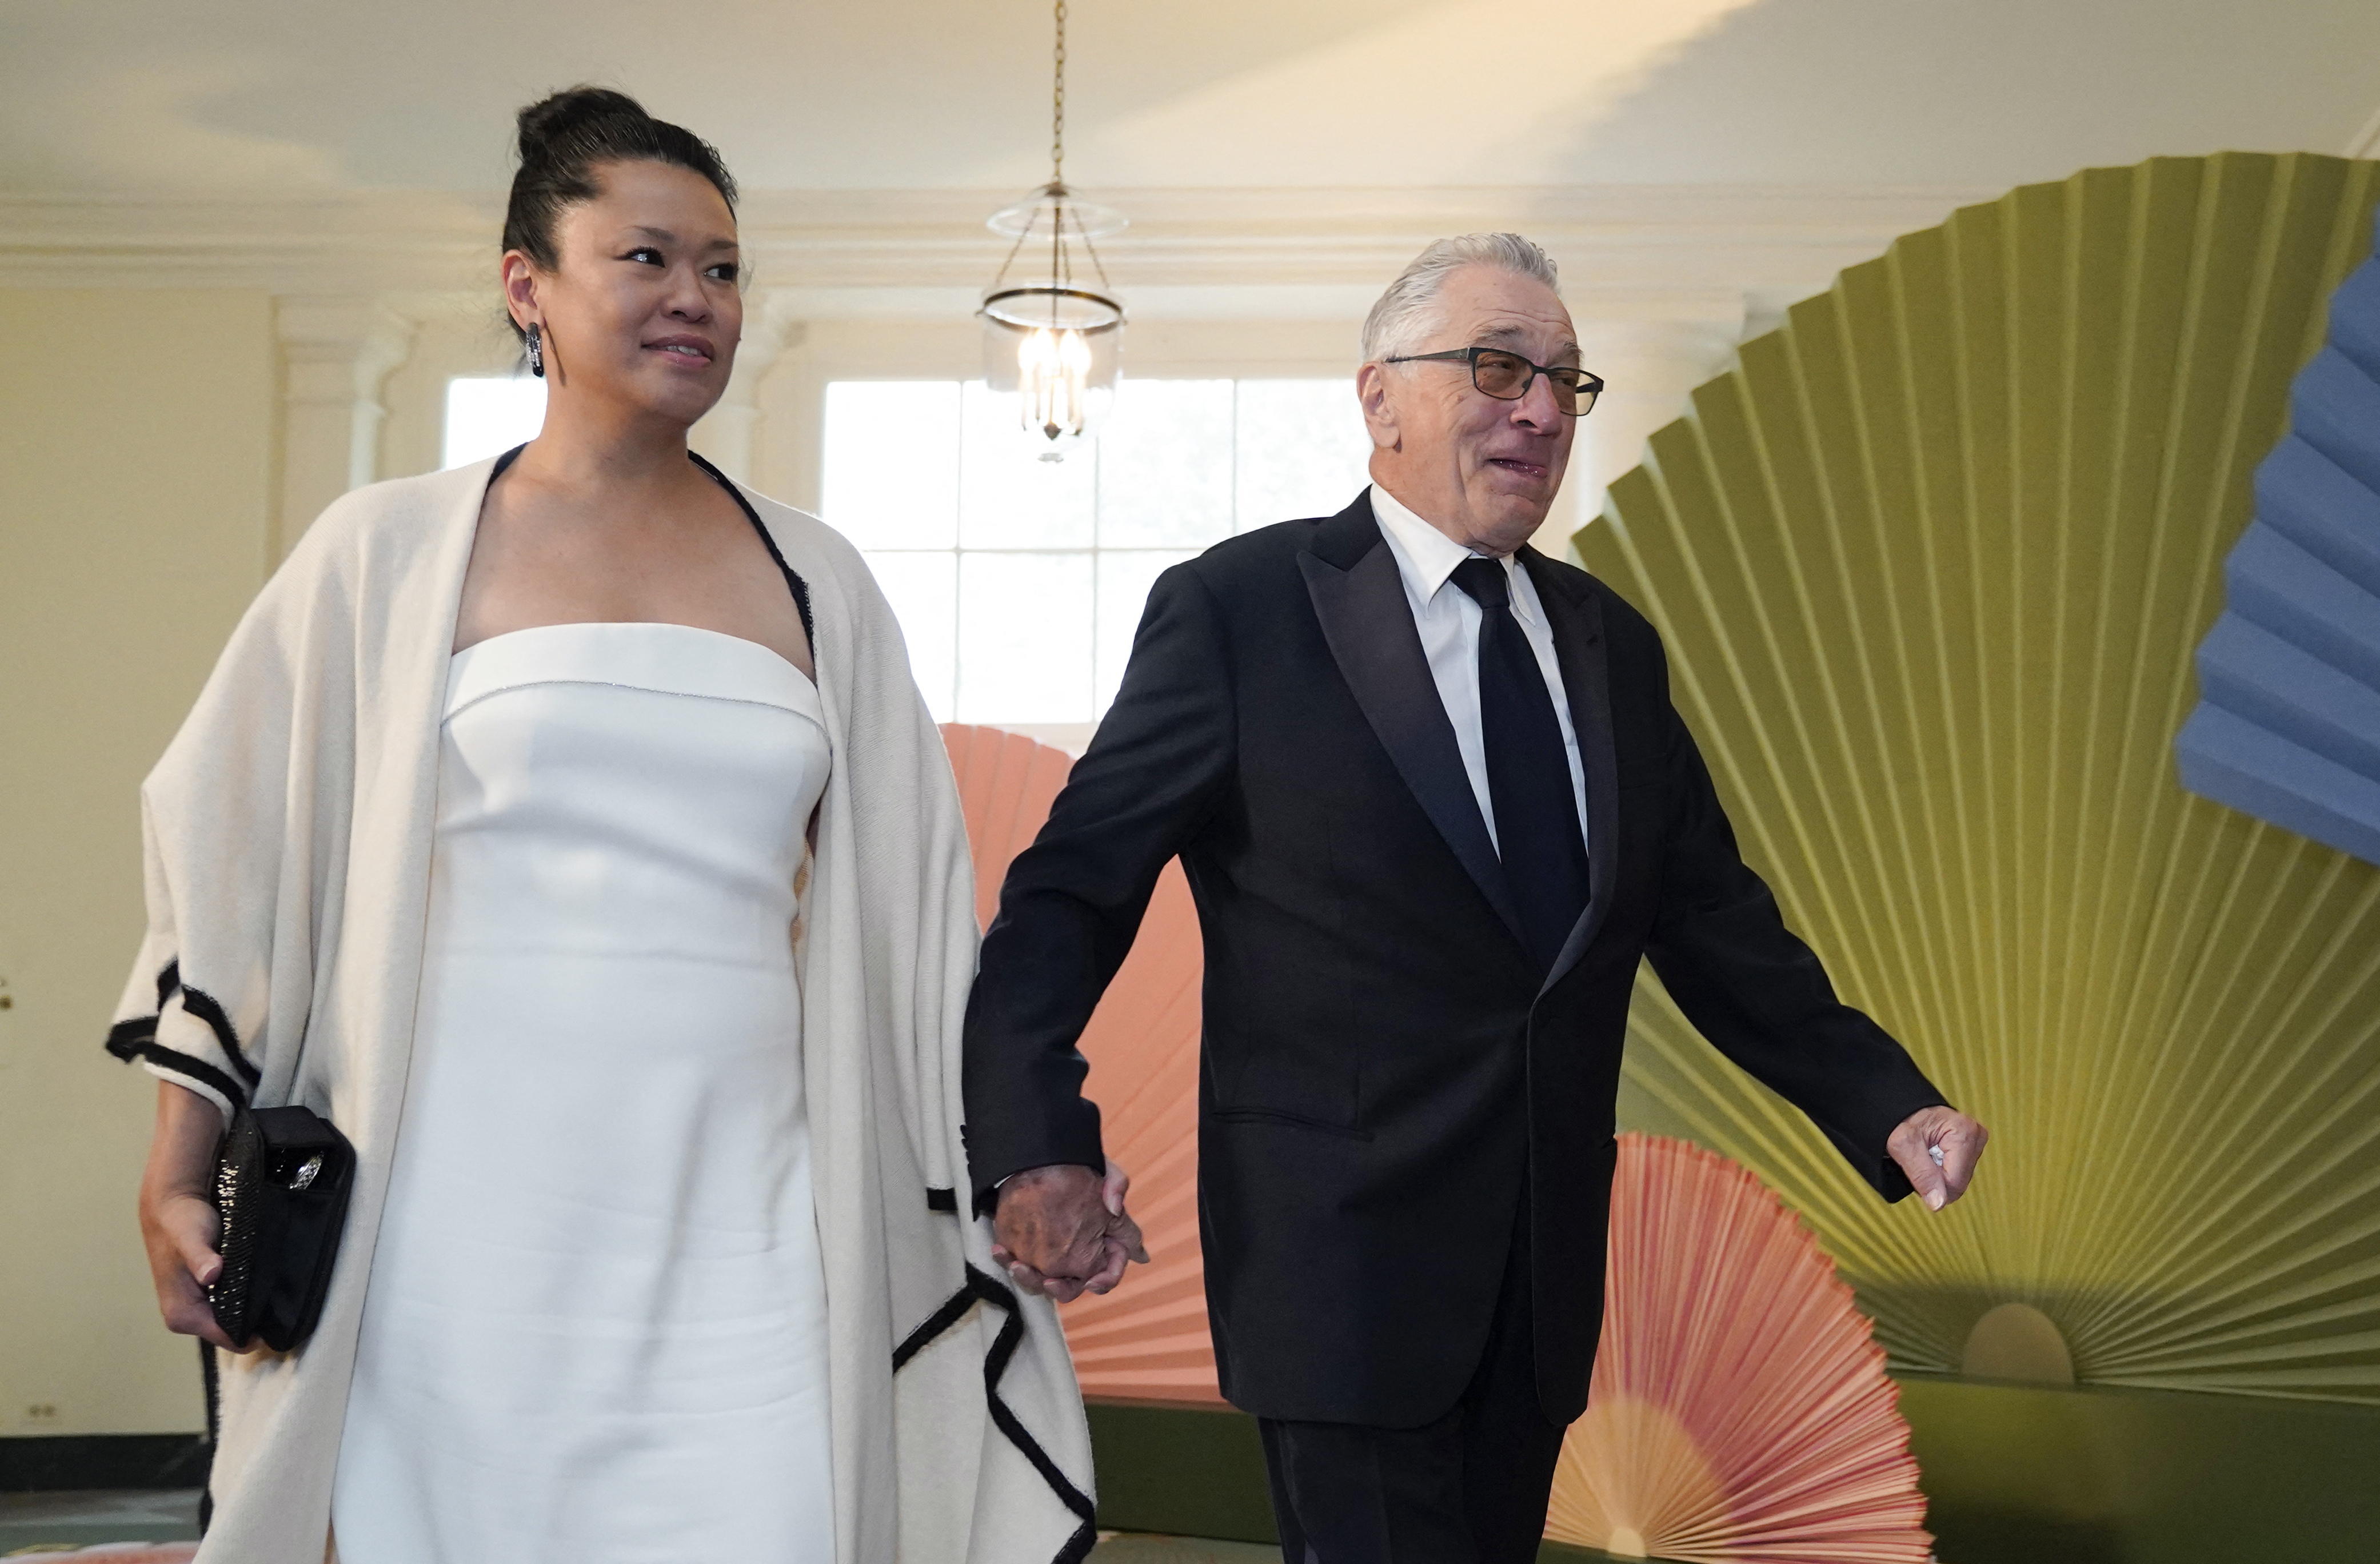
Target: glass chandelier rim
1012 307
1074 219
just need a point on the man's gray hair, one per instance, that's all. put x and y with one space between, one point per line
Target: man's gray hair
1407 313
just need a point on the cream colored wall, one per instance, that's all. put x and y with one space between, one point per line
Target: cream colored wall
137 476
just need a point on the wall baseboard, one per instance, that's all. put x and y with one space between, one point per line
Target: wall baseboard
66 1462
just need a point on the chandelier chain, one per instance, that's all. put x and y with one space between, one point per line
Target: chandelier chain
1058 103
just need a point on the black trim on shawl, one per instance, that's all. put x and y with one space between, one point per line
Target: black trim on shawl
942 1200
182 1064
137 1038
981 1287
209 1010
127 1038
941 1319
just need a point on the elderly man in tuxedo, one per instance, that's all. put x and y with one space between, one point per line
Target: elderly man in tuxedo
1433 804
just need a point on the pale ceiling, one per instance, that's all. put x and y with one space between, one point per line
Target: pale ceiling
262 96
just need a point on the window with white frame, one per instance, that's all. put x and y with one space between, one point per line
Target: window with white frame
1018 581
488 414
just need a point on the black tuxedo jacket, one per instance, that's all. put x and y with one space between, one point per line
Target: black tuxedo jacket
1383 1066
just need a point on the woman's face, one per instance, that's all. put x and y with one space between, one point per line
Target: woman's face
643 310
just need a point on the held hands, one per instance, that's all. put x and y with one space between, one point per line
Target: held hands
1062 1230
1943 1133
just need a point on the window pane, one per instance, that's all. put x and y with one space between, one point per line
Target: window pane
1125 579
924 592
486 416
1165 465
1302 449
890 476
1025 638
1010 497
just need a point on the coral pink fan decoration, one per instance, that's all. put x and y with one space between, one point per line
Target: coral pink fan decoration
1147 1339
1740 1409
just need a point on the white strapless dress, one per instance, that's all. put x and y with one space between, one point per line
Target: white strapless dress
596 1326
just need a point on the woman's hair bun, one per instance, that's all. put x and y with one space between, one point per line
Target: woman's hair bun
566 137
547 128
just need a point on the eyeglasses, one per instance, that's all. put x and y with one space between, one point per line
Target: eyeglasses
1507 376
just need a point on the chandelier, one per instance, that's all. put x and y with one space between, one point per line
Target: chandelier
1054 344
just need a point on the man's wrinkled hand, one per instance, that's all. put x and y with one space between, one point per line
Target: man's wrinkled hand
1937 1148
1063 1231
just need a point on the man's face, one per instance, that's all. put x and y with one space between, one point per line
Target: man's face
1481 470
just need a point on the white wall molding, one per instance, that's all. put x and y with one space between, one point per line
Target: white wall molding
336 354
332 244
925 254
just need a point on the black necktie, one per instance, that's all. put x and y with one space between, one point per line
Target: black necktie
1528 770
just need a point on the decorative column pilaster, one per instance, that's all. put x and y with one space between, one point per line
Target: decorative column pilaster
725 434
336 353
1651 355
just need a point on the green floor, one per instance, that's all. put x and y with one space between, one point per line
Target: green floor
31 1521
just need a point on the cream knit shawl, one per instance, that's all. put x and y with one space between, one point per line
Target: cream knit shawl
288 834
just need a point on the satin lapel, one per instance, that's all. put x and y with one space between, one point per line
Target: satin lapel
1361 601
1579 647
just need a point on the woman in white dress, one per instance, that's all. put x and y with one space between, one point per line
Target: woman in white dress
651 1255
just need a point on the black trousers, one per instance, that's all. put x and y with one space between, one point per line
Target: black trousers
1470 1489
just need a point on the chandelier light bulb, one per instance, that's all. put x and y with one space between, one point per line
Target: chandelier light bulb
1053 371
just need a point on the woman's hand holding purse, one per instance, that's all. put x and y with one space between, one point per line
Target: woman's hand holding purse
177 1211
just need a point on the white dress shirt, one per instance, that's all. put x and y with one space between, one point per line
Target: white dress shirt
1449 621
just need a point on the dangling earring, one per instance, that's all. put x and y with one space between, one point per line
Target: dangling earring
536 351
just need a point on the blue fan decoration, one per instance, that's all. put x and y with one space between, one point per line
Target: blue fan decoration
2287 725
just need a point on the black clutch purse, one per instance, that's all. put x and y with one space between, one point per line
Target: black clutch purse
281 1177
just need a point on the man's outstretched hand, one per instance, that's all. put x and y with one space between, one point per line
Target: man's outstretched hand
1062 1230
1958 1139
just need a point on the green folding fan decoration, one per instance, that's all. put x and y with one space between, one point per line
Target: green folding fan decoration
1931 564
